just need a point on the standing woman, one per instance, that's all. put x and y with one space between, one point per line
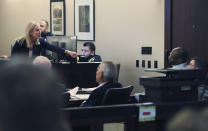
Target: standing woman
31 44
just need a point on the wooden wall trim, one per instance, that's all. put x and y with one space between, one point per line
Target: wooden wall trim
168 31
168 25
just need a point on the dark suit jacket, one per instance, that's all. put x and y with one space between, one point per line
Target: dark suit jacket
97 95
44 35
20 48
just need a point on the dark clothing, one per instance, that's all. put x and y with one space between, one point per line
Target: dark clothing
65 95
97 95
94 58
44 35
91 58
20 48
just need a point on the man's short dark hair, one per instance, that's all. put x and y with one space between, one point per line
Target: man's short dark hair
178 55
91 45
182 53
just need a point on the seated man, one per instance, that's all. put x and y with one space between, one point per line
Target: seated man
88 51
105 76
178 58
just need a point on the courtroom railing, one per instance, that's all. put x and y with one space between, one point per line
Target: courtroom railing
129 114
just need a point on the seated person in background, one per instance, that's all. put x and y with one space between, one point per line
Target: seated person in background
88 51
44 27
32 44
105 76
178 58
196 63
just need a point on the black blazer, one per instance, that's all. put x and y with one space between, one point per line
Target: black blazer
20 48
97 95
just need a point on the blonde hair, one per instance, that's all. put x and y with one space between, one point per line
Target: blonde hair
30 27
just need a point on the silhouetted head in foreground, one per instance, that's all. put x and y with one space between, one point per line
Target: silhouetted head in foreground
29 100
189 120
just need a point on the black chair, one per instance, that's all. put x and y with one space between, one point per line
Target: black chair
117 96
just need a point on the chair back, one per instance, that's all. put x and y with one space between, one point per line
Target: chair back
117 65
117 95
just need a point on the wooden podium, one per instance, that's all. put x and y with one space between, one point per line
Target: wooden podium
175 86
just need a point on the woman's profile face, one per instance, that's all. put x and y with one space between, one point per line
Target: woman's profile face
35 33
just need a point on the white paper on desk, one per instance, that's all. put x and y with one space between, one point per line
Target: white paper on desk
74 94
89 89
73 91
82 97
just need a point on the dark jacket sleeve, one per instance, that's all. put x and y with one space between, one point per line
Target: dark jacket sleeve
15 48
97 95
45 44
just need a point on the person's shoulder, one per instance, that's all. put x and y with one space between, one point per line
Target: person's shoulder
95 58
98 58
107 85
117 84
20 41
113 85
49 34
42 39
99 90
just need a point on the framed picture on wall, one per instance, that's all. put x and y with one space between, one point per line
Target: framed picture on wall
84 19
57 17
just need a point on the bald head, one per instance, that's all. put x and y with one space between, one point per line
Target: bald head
42 61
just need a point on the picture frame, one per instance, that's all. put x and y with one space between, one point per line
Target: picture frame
57 17
84 20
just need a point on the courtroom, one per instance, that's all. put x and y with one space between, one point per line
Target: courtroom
103 65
